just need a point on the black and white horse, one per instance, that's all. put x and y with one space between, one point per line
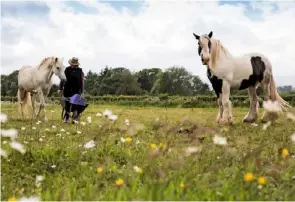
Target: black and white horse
227 72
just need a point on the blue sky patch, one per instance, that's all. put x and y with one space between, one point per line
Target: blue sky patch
21 8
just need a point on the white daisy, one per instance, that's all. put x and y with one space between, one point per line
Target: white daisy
219 140
17 146
89 144
11 133
3 118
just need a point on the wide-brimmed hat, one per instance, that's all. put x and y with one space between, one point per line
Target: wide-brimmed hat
74 61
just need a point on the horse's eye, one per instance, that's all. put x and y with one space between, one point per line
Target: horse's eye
57 68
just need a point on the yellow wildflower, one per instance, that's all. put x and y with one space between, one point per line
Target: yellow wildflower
261 180
153 146
11 199
285 152
182 185
137 169
99 170
128 139
119 182
248 177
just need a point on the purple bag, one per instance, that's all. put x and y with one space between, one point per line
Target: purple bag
78 100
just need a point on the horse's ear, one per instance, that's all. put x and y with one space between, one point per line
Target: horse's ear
56 59
197 37
210 34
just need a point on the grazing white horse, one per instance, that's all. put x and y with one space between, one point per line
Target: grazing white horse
227 72
37 80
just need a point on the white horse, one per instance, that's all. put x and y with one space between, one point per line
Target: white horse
37 80
226 72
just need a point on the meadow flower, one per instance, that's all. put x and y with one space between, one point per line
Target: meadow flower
261 180
293 137
39 179
23 128
40 139
47 129
182 185
113 117
62 130
11 133
265 126
89 144
79 132
98 114
285 152
127 122
29 199
271 106
119 182
122 139
52 111
34 128
99 170
25 142
153 146
4 142
219 140
157 119
191 150
12 199
248 177
137 142
67 133
83 123
128 139
89 119
53 126
290 116
53 166
17 146
137 169
254 124
107 113
3 153
3 118
58 135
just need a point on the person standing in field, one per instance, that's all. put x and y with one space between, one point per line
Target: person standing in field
73 85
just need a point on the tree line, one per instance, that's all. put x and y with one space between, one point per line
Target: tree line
173 81
121 81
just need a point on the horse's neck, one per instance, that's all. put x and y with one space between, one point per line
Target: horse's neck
220 53
44 72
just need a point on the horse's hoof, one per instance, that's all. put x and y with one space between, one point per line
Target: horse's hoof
249 120
225 121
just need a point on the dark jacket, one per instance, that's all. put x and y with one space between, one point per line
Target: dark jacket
74 83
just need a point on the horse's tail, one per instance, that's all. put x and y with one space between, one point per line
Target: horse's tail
274 95
25 99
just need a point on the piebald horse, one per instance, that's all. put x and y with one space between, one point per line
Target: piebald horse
227 72
37 80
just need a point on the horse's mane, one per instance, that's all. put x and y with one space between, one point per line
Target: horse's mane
217 49
44 61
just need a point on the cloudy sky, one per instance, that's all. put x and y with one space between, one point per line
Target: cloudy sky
145 34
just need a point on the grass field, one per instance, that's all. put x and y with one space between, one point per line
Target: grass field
173 150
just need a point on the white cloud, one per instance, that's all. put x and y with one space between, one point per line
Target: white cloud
159 35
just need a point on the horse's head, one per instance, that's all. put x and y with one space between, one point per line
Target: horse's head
58 68
204 49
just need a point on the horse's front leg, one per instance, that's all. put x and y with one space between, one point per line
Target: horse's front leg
253 111
220 112
42 103
226 104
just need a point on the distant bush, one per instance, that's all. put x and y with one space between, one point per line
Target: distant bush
162 100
